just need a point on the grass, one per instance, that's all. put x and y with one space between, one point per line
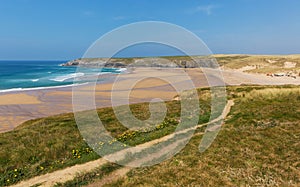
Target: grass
44 145
258 145
86 178
261 64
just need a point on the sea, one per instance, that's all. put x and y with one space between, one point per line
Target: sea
31 75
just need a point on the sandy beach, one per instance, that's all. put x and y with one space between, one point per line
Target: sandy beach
142 85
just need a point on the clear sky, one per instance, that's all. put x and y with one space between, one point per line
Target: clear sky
64 29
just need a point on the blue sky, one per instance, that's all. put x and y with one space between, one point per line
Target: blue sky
64 29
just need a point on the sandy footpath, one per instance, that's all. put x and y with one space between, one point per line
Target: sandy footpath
142 85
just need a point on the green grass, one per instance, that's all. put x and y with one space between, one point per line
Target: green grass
257 146
44 145
86 178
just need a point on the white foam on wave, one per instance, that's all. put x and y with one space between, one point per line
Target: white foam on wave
103 73
66 77
35 80
39 88
121 70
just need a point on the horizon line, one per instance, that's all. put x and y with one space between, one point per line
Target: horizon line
249 54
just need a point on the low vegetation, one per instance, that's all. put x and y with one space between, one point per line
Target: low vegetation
258 145
261 64
44 145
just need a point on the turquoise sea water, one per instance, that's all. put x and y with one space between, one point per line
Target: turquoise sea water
20 75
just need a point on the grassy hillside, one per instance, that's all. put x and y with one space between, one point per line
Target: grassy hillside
258 145
44 145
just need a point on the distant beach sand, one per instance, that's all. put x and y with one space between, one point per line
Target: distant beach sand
18 107
18 99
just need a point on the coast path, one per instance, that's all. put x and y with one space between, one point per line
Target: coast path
64 175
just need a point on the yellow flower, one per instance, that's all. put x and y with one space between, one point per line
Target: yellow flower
16 170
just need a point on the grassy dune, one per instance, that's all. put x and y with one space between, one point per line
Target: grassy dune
258 145
261 63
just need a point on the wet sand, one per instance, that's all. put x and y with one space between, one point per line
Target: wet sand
142 85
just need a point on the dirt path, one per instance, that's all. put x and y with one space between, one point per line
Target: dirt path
64 175
123 171
111 177
50 179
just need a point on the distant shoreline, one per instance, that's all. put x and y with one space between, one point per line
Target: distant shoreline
17 90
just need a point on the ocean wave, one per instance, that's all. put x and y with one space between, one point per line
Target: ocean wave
35 80
40 88
66 77
103 73
121 70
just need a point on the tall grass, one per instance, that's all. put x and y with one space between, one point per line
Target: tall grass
273 93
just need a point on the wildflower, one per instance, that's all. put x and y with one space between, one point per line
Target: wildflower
16 170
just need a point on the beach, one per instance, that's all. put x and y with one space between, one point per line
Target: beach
20 106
